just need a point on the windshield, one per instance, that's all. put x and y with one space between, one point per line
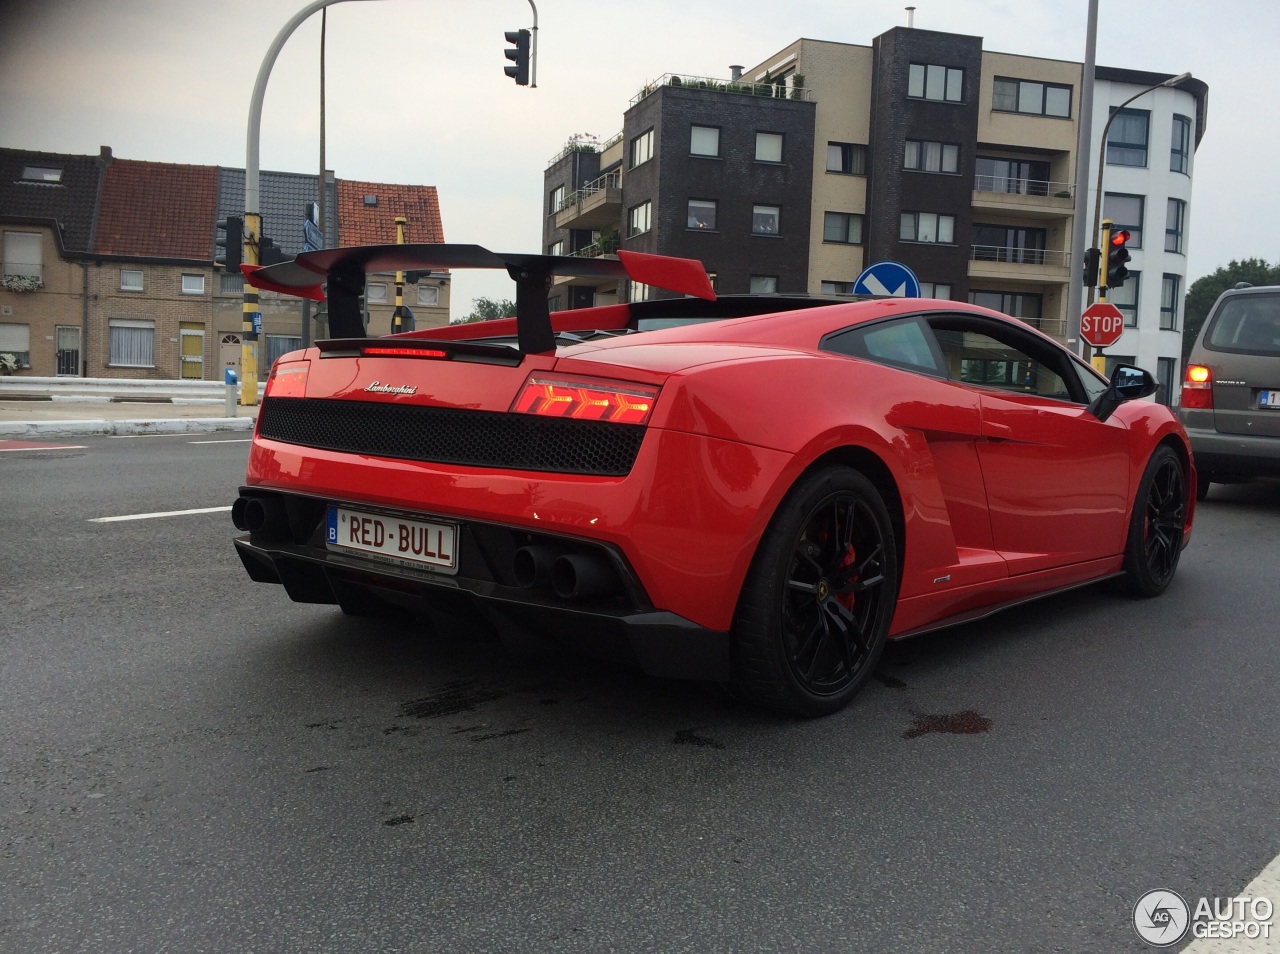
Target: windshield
1247 323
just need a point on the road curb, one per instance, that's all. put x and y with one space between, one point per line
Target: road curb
37 429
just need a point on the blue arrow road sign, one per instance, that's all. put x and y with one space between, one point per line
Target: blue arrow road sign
888 279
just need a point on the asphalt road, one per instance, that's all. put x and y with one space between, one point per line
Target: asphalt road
190 763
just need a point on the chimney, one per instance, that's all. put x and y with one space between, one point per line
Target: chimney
911 17
104 152
735 73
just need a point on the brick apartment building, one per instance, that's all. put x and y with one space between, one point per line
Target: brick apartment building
108 264
922 148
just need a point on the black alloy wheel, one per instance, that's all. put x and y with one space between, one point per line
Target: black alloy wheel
1155 532
820 595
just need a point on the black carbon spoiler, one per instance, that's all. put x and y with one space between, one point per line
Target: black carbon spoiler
340 272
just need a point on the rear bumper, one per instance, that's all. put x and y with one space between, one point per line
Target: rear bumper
620 627
1220 455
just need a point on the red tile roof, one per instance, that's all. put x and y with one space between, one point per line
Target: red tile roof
157 209
361 224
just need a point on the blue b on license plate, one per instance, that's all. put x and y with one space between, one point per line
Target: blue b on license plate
1269 399
426 544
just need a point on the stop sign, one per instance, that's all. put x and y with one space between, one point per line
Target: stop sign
1102 324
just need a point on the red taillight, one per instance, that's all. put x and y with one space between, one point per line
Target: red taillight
288 379
1197 387
586 399
404 352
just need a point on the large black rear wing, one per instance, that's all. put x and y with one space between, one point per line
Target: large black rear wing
338 274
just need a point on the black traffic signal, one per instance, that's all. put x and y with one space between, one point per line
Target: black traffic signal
269 254
230 249
519 55
1117 258
1091 259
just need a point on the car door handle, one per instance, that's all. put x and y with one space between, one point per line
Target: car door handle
996 432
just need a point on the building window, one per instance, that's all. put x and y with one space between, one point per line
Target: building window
1126 298
923 156
935 290
927 81
847 157
1180 153
845 227
702 214
764 284
1174 221
764 219
553 303
927 227
279 345
23 255
642 148
1015 176
557 198
428 295
1006 243
637 291
1017 304
41 174
837 288
641 216
230 284
704 141
1127 138
1169 302
1125 212
132 343
131 279
1031 97
768 147
556 248
375 293
1165 368
193 284
15 339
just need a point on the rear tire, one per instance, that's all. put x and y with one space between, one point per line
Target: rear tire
1155 530
819 597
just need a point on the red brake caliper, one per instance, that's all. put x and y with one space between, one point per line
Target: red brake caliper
849 558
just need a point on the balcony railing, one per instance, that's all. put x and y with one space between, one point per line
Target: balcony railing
606 246
610 180
1020 256
711 84
1035 187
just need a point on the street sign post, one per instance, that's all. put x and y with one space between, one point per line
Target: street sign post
1102 324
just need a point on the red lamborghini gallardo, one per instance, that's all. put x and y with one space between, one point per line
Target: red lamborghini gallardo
759 491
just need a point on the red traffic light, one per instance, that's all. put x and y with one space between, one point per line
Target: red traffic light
1119 237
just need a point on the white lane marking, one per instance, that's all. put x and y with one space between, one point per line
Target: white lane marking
152 516
238 440
44 447
1266 885
125 437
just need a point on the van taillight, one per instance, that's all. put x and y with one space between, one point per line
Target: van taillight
1197 387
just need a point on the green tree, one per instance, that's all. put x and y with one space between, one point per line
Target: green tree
1205 291
483 309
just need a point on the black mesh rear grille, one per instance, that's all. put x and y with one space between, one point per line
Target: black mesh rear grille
453 436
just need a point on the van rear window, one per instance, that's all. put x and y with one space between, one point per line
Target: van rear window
1247 324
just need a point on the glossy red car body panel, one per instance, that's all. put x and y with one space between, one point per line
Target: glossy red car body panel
999 495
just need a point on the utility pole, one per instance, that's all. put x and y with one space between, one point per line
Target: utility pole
1084 149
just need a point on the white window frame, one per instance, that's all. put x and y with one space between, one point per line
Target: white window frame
126 283
760 214
428 295
640 220
642 148
763 284
131 350
703 217
19 250
375 293
836 288
15 339
192 284
47 174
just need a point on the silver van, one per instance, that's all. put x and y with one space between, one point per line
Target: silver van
1231 388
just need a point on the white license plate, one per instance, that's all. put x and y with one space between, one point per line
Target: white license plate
417 543
1269 399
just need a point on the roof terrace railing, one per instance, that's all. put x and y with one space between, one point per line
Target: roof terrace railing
771 90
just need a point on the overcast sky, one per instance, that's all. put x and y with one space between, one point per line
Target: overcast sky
416 91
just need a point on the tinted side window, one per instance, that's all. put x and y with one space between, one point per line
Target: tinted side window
984 354
903 344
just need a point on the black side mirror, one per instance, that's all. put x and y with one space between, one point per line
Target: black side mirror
1127 384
